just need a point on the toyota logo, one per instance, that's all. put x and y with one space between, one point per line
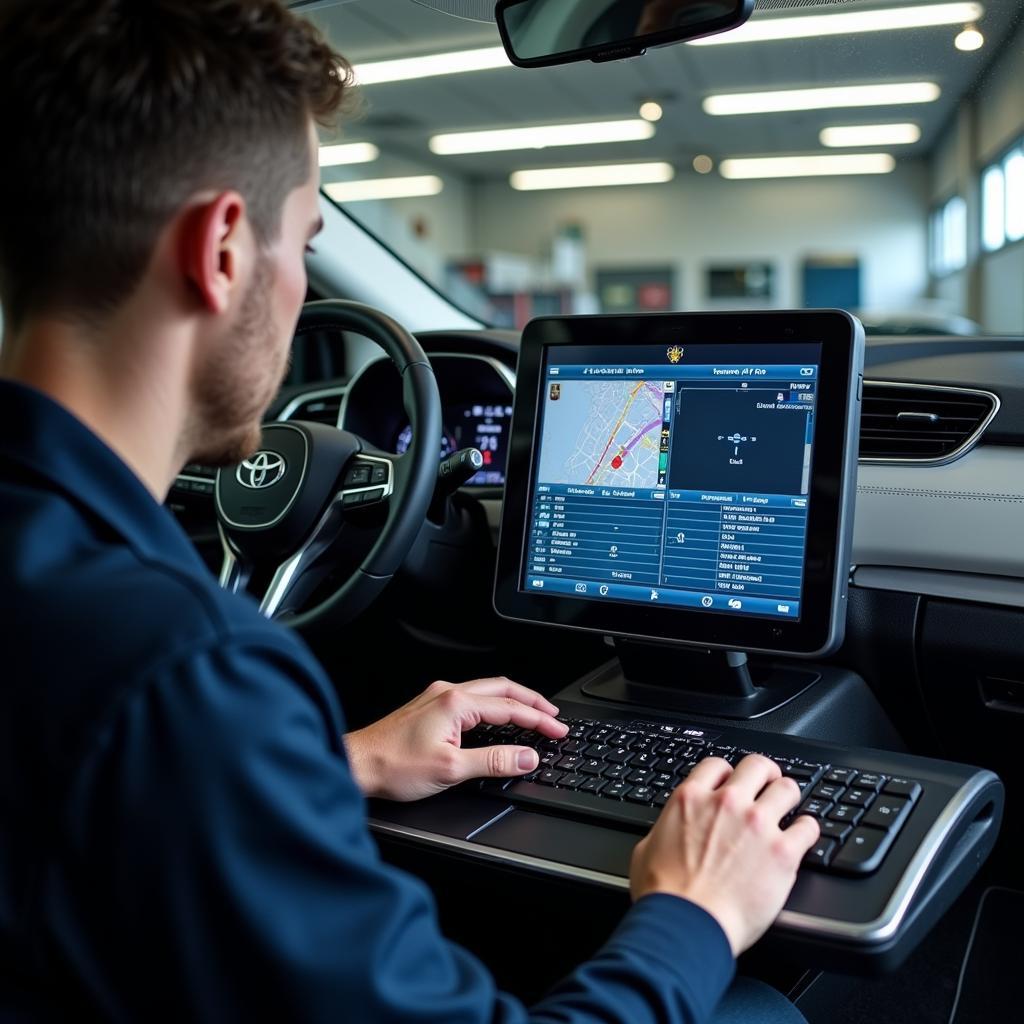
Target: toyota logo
264 469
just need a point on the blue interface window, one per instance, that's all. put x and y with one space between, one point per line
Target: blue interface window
675 476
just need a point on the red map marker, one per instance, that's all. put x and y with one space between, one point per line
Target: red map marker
617 462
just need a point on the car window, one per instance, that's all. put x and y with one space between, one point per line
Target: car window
861 155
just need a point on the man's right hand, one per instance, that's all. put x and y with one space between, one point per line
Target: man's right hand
718 844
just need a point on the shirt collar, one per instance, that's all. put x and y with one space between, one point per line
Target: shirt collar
38 433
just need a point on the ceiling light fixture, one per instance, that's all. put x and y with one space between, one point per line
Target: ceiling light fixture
541 136
821 99
405 69
969 39
651 111
348 153
813 26
807 166
870 135
384 188
592 177
703 164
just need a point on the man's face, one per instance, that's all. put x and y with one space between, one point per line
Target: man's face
243 370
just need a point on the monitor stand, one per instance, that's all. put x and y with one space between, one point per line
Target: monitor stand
716 684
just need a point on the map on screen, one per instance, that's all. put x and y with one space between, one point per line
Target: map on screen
602 432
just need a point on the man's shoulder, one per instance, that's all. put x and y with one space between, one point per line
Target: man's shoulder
86 619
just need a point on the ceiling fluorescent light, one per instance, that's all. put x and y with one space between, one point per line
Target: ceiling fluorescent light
384 188
407 68
813 26
870 135
821 99
541 136
592 177
348 153
807 166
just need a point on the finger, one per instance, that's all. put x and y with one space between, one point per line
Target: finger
752 774
499 762
801 836
709 774
501 687
779 798
503 710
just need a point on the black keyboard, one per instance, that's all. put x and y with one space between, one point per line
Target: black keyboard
625 772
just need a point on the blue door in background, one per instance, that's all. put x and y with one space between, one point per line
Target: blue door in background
832 283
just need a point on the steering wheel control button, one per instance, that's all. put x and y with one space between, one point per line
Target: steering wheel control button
353 498
379 475
358 476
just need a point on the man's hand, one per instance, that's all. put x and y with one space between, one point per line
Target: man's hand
416 751
718 844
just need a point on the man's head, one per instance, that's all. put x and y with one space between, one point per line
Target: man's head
166 147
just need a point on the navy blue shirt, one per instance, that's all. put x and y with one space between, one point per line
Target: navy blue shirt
180 835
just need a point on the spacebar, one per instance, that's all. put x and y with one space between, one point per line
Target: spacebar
636 816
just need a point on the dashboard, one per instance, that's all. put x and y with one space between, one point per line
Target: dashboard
477 393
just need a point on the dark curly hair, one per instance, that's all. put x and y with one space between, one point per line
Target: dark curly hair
114 112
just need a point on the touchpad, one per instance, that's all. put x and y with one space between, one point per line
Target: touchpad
594 847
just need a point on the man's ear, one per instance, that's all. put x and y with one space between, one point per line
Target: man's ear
212 249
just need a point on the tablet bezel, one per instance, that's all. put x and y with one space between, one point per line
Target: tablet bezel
830 509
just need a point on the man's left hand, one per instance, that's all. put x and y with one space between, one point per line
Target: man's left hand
417 750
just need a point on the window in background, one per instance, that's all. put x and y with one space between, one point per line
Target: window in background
1002 200
993 208
949 237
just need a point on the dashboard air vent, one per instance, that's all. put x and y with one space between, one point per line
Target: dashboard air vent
922 423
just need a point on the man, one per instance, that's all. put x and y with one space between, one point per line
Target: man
182 834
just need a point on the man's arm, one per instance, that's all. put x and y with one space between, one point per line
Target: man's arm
213 863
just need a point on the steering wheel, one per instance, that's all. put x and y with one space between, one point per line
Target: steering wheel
283 512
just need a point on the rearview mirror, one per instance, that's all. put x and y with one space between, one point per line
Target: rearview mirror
539 33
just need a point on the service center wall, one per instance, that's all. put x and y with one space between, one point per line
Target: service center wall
697 220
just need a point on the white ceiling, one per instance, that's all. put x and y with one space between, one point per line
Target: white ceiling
401 116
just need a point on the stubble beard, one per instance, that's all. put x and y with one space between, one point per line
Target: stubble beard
240 381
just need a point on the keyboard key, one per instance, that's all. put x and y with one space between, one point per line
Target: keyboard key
836 830
662 797
887 812
593 786
570 763
869 780
860 797
616 790
615 772
846 813
667 764
592 767
902 787
641 777
643 759
798 772
549 777
821 853
827 791
863 851
815 808
663 780
841 775
620 755
572 746
549 757
640 795
571 781
599 750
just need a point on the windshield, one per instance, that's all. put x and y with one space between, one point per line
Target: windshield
862 155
